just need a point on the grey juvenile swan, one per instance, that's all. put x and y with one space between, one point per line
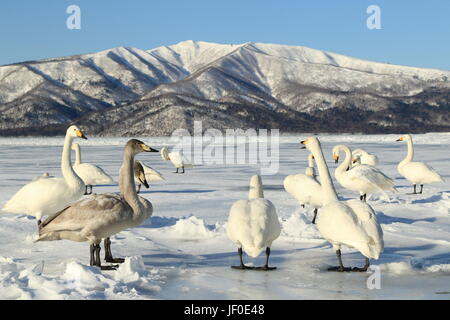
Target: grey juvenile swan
100 216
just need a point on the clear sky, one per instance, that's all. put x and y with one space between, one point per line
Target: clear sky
414 32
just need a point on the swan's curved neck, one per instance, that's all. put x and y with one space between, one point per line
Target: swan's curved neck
410 155
327 184
126 182
77 154
69 175
255 192
347 161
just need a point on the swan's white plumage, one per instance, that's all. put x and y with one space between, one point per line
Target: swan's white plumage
305 189
90 174
46 195
177 158
366 158
253 224
413 171
351 223
363 178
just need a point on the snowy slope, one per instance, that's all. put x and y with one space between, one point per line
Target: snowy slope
293 84
182 252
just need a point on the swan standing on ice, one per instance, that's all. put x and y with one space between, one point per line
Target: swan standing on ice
177 158
100 216
305 187
139 176
253 224
91 175
351 223
45 195
366 158
149 174
416 172
361 178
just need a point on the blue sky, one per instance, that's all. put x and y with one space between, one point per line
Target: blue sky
414 32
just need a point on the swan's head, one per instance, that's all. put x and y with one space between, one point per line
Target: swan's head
337 149
256 188
311 143
139 174
406 137
75 132
136 146
357 159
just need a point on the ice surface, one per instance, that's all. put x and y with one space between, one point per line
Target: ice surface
182 252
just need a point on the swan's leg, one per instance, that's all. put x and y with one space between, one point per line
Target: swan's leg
414 190
365 197
421 189
183 169
242 266
108 253
341 267
177 171
138 188
90 189
266 266
92 249
315 215
98 263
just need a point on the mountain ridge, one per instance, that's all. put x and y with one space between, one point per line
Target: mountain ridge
297 89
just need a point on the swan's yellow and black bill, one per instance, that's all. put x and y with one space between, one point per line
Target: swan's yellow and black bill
336 158
303 142
146 148
81 135
399 139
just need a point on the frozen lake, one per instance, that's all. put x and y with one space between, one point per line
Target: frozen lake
182 252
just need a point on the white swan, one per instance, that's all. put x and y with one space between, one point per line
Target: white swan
366 158
363 178
149 173
416 172
351 223
100 216
177 158
91 175
305 187
47 196
253 224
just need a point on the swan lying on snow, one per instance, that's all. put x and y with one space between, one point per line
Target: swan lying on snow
46 195
366 158
177 158
91 175
253 224
139 176
305 187
416 172
351 223
100 216
362 178
149 174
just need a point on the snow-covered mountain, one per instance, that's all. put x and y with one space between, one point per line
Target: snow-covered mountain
128 91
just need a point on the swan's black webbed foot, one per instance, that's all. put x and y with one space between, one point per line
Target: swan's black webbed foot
265 268
243 267
114 260
111 267
340 269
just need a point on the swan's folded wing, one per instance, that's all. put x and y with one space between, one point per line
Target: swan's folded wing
370 175
96 209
